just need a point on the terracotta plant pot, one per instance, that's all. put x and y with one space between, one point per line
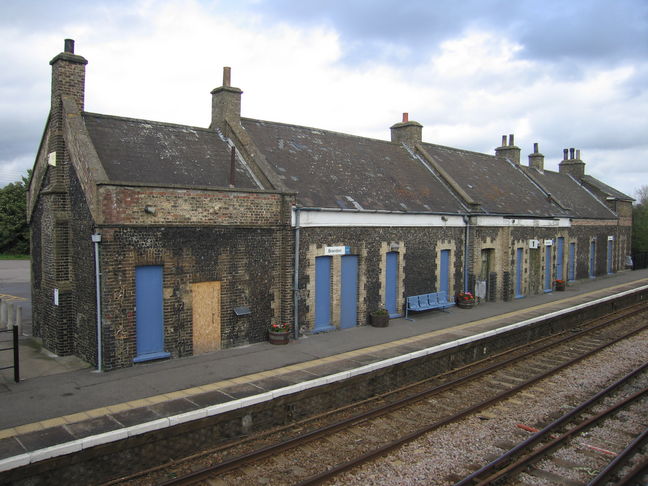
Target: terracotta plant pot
279 337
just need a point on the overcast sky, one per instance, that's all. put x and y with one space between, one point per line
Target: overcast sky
561 73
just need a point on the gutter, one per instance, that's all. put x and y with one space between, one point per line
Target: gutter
96 239
296 277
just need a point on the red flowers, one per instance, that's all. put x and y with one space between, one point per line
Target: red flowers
283 327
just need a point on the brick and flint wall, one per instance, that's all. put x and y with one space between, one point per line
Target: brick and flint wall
417 265
240 239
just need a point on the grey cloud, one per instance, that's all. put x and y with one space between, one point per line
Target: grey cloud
551 30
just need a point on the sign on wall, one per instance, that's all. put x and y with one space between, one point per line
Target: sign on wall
337 250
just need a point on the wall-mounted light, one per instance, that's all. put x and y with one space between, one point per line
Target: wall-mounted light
444 218
149 209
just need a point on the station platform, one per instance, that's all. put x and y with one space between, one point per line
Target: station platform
56 414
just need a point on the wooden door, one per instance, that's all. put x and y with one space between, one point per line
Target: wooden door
206 316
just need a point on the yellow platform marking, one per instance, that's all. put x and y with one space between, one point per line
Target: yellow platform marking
98 412
11 297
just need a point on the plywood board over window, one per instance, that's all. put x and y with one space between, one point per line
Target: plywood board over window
206 298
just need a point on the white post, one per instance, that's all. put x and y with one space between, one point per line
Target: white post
3 314
10 315
19 319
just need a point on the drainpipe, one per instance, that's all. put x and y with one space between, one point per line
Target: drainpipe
466 245
96 239
296 278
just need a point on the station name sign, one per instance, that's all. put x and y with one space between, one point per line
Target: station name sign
337 250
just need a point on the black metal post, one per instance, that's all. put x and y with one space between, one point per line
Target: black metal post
16 353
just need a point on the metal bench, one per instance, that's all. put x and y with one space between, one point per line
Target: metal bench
423 302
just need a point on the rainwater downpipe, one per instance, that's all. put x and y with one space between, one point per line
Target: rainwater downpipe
96 239
466 245
296 278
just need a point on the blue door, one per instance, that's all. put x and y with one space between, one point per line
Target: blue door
592 259
547 280
391 283
444 284
572 262
519 254
149 313
560 254
610 255
323 294
349 291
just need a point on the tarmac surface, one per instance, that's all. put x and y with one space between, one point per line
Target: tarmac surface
59 394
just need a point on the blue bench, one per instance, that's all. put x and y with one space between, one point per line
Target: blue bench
423 302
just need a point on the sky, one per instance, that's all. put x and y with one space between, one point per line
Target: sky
560 73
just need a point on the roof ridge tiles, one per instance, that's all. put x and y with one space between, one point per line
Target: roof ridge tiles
333 132
144 120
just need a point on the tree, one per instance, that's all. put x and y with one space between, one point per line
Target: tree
640 221
14 231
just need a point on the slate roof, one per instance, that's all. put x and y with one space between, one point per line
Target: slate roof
150 152
570 194
605 189
334 170
497 184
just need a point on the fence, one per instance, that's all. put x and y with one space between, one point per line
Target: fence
640 260
10 322
14 347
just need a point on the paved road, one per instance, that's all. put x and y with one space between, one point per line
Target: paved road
15 286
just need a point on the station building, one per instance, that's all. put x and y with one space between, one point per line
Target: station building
153 240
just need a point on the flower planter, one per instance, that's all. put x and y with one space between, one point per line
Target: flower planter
466 304
279 337
380 320
560 286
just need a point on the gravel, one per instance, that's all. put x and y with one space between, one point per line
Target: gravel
450 453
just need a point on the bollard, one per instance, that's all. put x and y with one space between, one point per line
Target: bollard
18 322
3 314
10 315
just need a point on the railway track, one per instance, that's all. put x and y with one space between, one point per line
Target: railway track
320 452
544 453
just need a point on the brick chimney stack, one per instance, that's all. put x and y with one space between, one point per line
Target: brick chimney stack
408 132
572 163
226 102
68 75
508 150
536 159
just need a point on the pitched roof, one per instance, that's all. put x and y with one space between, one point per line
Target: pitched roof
141 151
334 170
605 189
571 194
497 184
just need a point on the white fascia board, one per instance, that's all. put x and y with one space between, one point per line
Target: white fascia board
495 221
309 219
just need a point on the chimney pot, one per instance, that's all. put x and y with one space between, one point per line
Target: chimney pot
535 148
571 153
565 154
503 140
405 117
511 143
578 154
69 46
227 76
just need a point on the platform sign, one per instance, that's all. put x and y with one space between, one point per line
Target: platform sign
337 250
548 242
